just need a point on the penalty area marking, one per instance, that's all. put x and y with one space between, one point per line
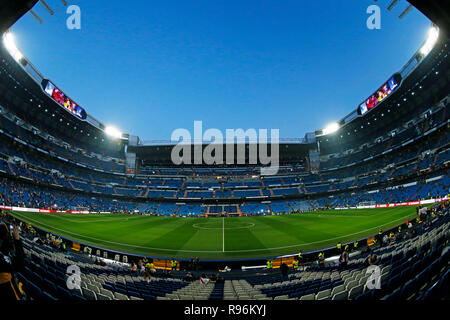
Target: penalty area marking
208 251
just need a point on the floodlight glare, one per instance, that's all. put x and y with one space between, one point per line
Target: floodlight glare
113 132
331 128
10 45
433 35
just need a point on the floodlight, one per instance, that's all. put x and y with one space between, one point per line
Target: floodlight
10 45
113 132
433 35
331 128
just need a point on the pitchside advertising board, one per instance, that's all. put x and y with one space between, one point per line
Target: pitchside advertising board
387 205
63 100
23 209
381 94
401 204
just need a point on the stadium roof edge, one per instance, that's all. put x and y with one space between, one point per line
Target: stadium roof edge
13 10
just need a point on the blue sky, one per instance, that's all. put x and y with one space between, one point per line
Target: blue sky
155 66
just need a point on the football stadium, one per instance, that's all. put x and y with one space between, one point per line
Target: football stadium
357 210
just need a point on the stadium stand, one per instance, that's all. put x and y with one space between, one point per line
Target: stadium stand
396 153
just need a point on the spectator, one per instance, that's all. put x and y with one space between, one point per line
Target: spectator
380 236
197 263
372 260
147 273
11 261
343 259
284 271
189 277
204 279
385 240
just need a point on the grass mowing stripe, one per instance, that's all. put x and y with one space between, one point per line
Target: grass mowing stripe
281 226
237 237
176 237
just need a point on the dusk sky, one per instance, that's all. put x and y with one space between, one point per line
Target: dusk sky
151 67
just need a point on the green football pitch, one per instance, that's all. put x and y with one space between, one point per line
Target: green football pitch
219 238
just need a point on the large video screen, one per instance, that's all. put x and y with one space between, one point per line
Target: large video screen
386 90
63 100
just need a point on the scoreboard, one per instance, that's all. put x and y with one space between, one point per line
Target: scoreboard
385 91
63 100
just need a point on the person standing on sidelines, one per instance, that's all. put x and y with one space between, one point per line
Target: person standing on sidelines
295 264
321 259
300 259
147 273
